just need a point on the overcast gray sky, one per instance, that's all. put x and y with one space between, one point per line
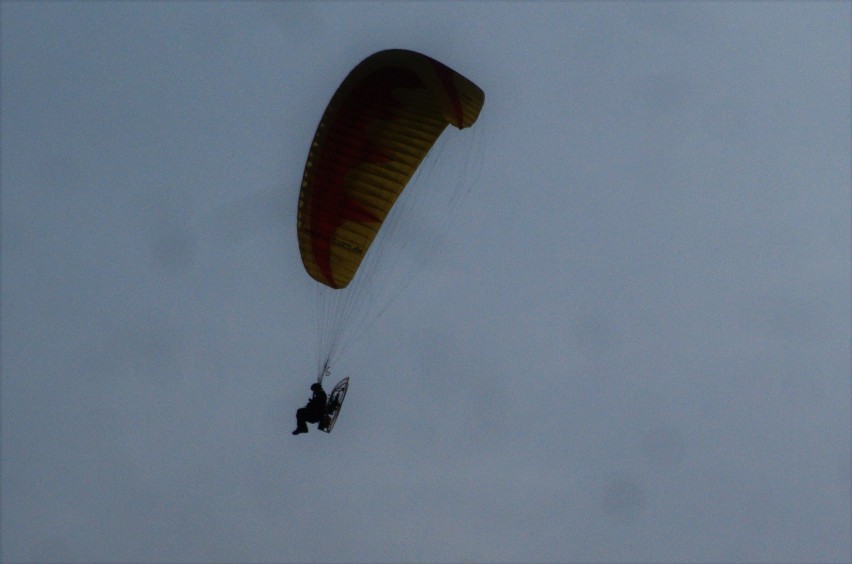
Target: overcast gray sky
633 344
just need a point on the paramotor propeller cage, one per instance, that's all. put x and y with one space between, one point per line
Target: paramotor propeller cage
332 409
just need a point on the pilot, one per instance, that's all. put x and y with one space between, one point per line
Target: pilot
313 412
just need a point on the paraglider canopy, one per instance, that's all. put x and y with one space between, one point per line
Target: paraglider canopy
375 132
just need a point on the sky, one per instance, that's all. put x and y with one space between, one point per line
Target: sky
631 341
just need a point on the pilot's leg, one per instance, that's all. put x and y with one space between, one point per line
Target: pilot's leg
301 426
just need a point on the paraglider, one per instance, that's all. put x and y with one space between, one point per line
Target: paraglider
313 411
377 129
321 408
